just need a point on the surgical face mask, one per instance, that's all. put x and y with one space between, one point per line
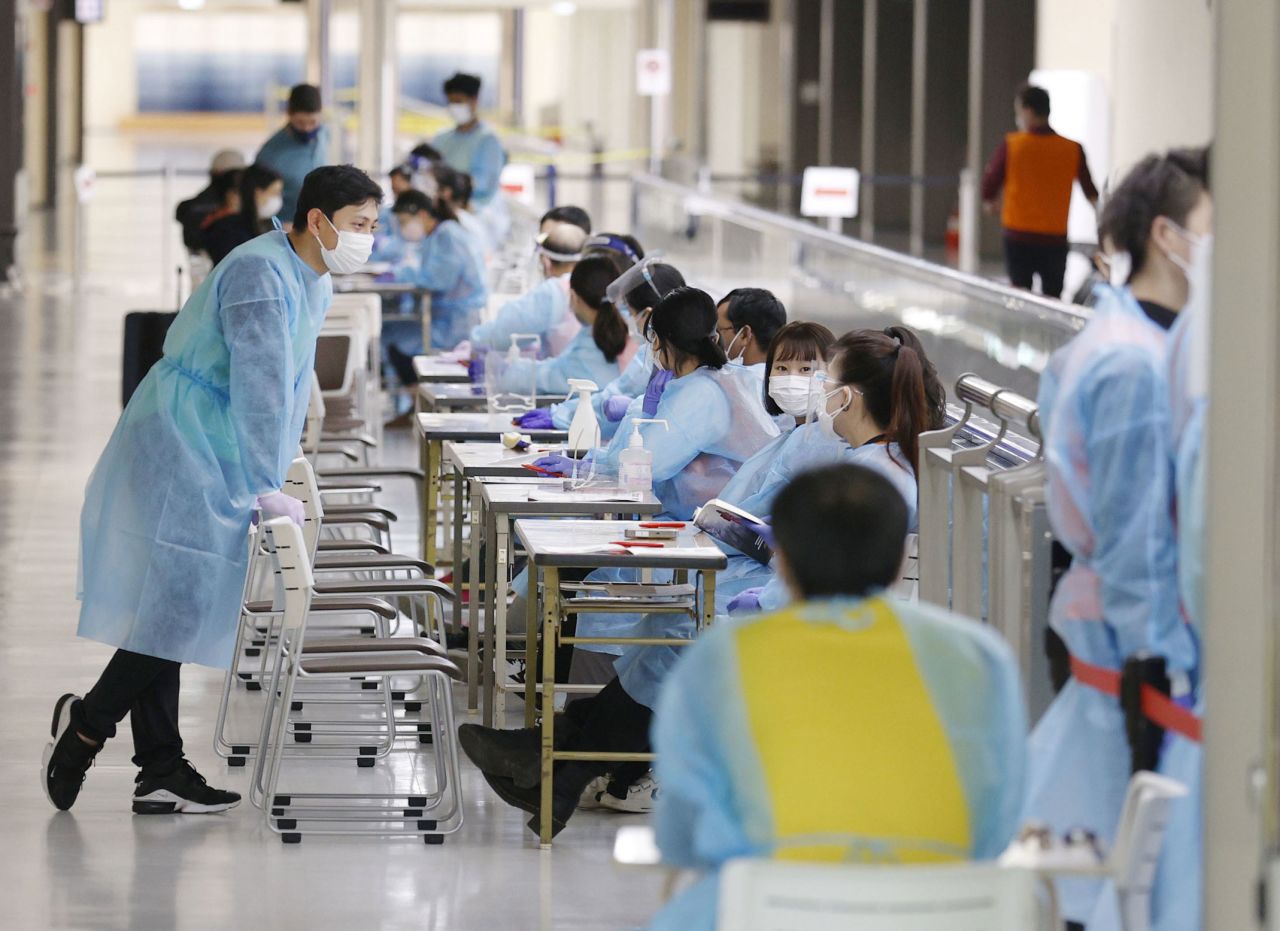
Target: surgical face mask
412 231
270 207
791 393
461 113
305 135
1199 274
728 350
1119 267
351 253
827 417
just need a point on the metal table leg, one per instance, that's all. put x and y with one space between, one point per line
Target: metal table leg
531 625
473 608
550 623
499 532
459 485
431 500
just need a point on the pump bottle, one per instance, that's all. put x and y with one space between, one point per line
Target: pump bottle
584 429
635 463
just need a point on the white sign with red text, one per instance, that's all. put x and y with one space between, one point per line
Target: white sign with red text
830 192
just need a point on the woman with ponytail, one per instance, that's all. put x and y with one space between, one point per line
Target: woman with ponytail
879 394
598 349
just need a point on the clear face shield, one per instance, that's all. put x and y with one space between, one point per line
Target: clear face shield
628 281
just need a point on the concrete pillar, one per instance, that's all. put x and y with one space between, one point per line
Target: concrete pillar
379 86
11 143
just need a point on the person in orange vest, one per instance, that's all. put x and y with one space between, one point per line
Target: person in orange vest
1036 168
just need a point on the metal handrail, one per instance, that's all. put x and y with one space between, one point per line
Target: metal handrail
706 203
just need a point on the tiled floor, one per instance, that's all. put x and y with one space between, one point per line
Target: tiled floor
98 866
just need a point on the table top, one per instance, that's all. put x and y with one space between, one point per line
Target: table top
476 460
438 368
362 283
478 427
513 498
587 544
456 395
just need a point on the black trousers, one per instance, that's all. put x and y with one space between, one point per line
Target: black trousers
1025 260
146 689
610 720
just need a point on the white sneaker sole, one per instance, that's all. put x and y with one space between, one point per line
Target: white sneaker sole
165 802
61 721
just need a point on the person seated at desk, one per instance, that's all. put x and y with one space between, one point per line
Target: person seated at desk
191 212
442 258
595 352
226 188
747 320
657 279
454 188
543 311
261 193
387 244
848 726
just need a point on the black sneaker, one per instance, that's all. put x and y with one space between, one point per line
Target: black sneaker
529 800
182 790
511 754
67 758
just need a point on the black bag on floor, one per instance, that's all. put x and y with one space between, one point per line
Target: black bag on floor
144 333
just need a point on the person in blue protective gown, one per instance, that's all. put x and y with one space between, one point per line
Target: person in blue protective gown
298 147
472 145
542 311
1107 445
612 400
441 257
772 734
207 437
1177 901
387 244
594 353
747 320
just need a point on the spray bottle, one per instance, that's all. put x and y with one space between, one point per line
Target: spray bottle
584 429
635 463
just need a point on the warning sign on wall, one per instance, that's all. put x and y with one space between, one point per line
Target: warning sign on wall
653 72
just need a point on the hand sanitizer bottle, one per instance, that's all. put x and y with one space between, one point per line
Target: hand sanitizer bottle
584 429
635 463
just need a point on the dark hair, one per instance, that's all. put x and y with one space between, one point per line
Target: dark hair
589 280
857 545
457 183
255 178
401 171
224 182
797 340
1035 99
304 98
1158 186
332 187
685 321
426 151
665 277
569 214
758 309
893 373
466 84
415 202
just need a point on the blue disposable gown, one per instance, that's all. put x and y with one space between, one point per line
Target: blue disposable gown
539 312
716 422
1177 900
582 359
215 423
477 151
1104 412
388 246
449 264
630 384
293 160
726 775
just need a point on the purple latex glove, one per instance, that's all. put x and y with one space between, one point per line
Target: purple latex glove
475 370
386 277
615 408
746 600
561 464
278 504
537 419
653 394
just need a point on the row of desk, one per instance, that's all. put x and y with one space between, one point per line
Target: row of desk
494 503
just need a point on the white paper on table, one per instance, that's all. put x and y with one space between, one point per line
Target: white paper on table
587 497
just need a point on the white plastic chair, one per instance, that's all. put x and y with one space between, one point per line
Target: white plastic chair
778 895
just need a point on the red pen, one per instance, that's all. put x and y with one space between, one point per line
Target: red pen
534 468
631 543
653 525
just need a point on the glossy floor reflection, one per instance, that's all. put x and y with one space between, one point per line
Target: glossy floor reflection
101 867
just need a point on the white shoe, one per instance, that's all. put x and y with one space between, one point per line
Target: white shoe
640 799
590 800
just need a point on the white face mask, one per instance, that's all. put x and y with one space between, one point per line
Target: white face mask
412 231
826 417
351 253
791 393
728 350
1119 266
1197 269
270 207
461 113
